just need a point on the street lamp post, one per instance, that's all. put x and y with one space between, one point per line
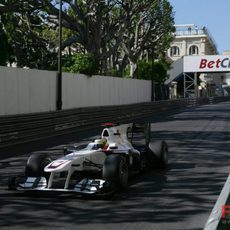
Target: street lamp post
152 81
59 73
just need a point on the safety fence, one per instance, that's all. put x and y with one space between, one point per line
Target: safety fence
17 129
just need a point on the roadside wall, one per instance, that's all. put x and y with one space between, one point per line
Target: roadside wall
28 91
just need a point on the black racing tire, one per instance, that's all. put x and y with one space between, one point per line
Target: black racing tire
147 133
115 171
36 163
157 154
164 155
143 162
12 183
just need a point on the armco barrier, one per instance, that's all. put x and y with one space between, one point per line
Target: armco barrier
16 129
214 220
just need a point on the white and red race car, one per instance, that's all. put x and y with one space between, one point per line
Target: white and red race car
100 167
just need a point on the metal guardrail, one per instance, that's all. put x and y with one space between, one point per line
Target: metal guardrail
17 129
214 219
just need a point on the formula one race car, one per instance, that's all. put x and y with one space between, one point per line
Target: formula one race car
100 167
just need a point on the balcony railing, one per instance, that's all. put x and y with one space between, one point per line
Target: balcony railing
190 32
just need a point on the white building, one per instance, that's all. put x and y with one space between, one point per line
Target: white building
192 41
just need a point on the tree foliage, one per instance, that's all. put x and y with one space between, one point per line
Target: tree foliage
81 63
156 71
5 49
149 27
24 33
117 33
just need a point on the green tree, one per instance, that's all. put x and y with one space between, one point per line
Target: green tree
5 49
156 71
24 29
81 63
149 26
116 32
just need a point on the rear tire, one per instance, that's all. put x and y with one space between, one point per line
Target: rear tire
157 154
164 155
36 163
115 171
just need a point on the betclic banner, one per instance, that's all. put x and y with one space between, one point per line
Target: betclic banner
207 63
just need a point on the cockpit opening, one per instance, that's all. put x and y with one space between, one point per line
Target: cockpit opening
105 133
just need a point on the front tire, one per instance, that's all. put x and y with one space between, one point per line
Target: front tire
115 171
36 163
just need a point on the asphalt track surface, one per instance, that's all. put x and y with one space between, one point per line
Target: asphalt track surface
177 198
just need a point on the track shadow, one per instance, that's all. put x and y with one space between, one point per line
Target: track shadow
179 197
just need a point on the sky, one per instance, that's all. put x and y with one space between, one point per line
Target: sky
213 14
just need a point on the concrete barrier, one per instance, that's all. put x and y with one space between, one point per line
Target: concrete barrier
29 91
215 216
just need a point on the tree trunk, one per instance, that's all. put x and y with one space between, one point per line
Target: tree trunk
133 68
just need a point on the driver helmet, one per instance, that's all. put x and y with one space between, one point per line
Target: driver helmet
101 142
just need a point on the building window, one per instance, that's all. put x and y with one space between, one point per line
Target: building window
193 50
174 51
